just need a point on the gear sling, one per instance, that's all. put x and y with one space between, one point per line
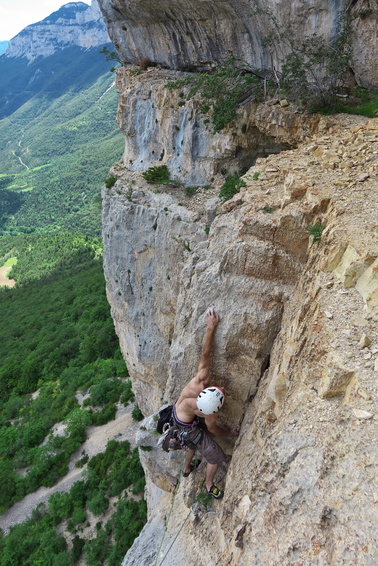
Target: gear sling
178 435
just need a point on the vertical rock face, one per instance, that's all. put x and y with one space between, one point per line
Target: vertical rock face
189 35
166 263
365 33
301 485
185 34
160 128
74 23
153 234
290 263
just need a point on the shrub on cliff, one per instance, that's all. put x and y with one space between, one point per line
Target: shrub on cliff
311 73
222 89
157 174
231 186
110 181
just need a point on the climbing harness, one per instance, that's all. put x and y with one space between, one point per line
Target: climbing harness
182 439
176 434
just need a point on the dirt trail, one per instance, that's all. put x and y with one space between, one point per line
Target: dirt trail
122 428
4 281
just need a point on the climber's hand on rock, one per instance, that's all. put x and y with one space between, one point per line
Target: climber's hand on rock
211 318
234 432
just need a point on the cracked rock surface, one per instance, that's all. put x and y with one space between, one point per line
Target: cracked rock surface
296 347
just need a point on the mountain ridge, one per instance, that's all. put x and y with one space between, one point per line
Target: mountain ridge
58 134
74 24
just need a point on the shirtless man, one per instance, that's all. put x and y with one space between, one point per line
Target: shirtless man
191 404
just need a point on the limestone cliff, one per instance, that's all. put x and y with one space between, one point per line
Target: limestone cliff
158 129
161 126
74 24
187 34
301 486
297 346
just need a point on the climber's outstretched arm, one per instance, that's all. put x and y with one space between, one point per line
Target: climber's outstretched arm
186 405
202 378
203 373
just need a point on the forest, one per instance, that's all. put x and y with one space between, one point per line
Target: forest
59 341
57 144
61 370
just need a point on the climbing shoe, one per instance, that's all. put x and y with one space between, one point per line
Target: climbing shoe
193 465
215 492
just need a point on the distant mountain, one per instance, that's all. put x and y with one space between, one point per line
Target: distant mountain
55 153
70 69
3 46
58 133
50 57
74 24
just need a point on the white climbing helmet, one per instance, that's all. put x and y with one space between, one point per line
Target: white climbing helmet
210 400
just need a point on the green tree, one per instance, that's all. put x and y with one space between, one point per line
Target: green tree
8 484
78 516
60 506
97 550
77 421
99 503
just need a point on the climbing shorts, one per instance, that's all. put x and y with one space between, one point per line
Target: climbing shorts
210 450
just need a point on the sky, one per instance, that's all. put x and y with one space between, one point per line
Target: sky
15 15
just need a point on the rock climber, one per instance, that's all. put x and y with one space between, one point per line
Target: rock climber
199 399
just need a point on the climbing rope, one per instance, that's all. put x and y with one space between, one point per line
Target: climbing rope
170 513
174 540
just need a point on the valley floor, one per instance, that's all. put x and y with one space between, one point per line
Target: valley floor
4 281
122 428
